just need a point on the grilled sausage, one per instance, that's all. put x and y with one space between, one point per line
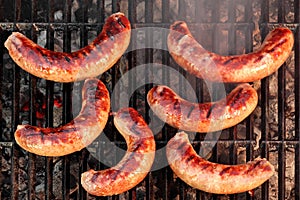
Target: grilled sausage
135 164
88 62
212 177
75 135
192 57
202 117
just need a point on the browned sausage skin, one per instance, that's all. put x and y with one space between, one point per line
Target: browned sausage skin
75 135
202 117
212 177
87 62
191 56
135 164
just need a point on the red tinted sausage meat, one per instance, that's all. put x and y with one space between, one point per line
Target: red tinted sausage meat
202 117
212 177
191 56
75 135
135 164
88 62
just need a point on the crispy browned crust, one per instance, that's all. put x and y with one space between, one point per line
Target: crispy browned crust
202 117
191 56
135 164
87 62
75 135
212 177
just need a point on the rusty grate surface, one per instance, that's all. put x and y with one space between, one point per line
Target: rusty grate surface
225 27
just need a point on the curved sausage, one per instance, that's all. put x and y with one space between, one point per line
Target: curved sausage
202 117
135 164
75 135
212 177
88 62
191 56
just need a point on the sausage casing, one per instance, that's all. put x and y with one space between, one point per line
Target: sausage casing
75 135
202 117
135 164
212 177
191 56
88 62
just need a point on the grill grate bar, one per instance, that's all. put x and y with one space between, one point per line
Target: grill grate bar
32 120
297 101
297 12
148 59
83 156
32 157
281 171
1 90
281 115
49 110
67 98
167 172
15 121
281 130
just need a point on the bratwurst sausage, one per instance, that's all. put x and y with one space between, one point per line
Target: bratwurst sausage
192 57
88 62
75 135
135 164
202 117
212 177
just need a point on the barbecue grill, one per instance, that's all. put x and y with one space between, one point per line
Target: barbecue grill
223 26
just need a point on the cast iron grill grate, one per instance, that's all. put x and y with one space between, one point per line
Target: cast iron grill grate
225 27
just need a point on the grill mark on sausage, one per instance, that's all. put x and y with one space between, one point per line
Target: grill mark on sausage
225 170
258 58
181 148
204 165
210 111
253 166
179 113
135 129
121 23
283 41
180 31
177 26
110 35
190 111
231 59
190 157
238 99
65 67
95 177
230 170
134 166
213 177
248 67
176 105
92 118
67 59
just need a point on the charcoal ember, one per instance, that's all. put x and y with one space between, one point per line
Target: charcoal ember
9 63
58 15
290 172
40 191
23 162
23 180
5 165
